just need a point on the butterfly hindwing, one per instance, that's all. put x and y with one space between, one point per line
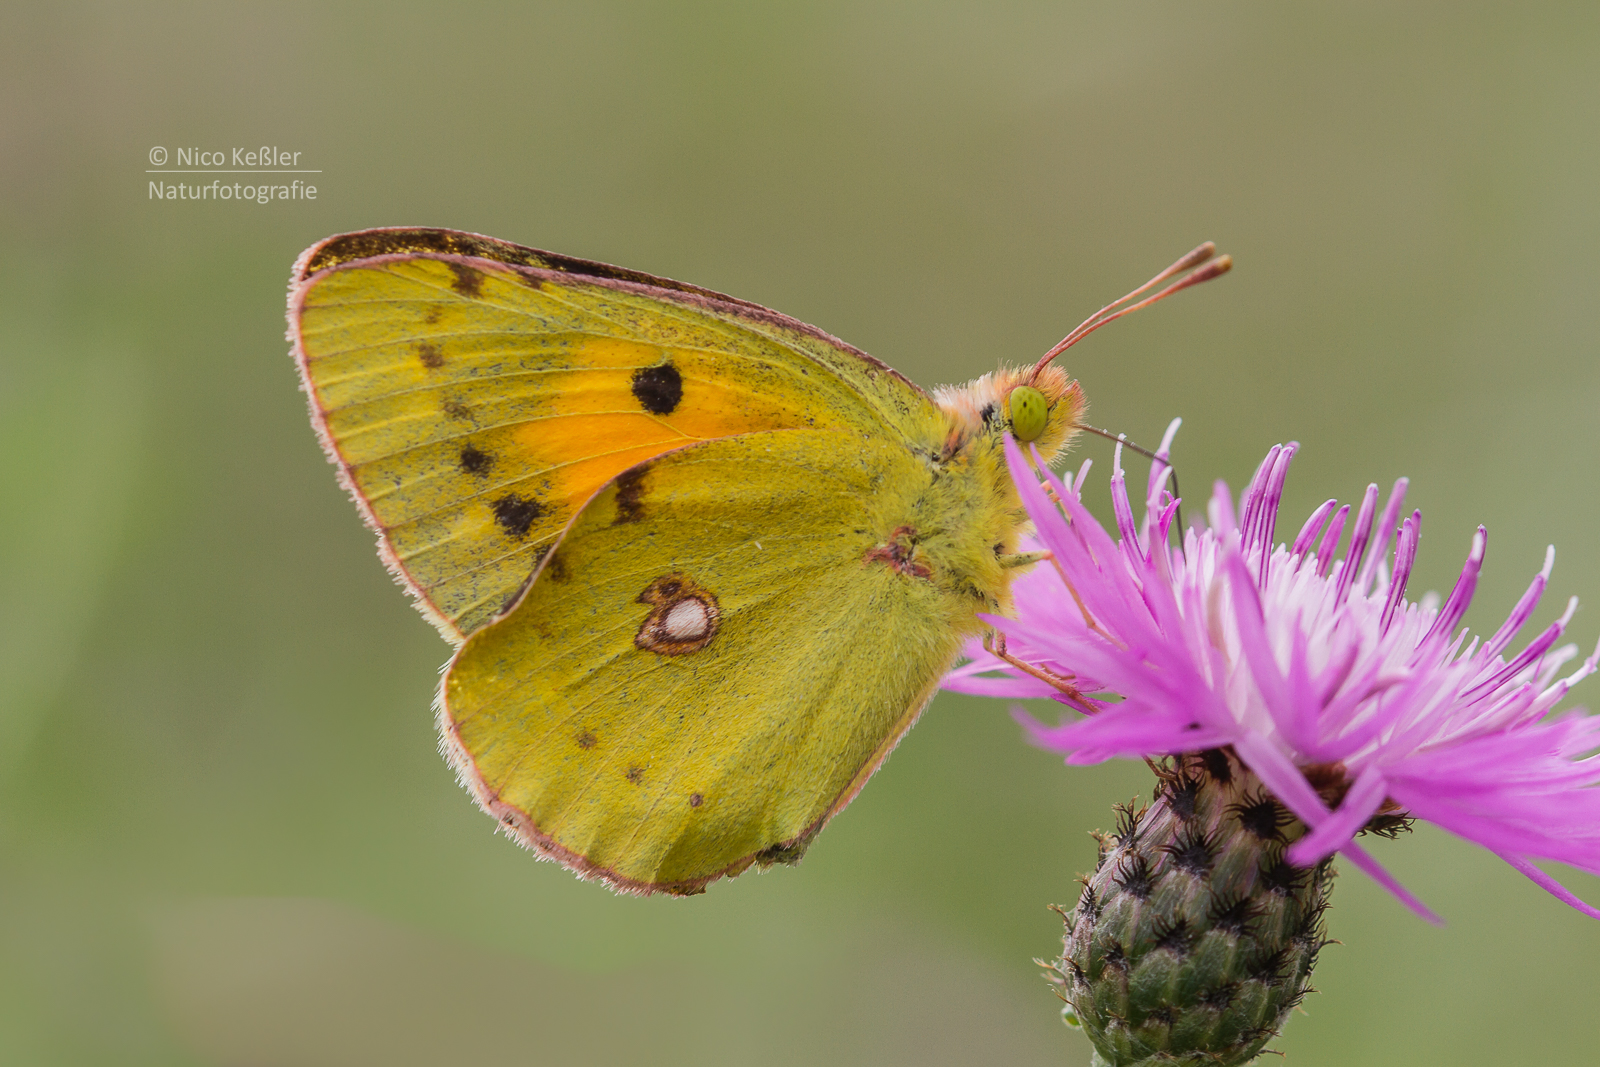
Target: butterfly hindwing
709 664
475 394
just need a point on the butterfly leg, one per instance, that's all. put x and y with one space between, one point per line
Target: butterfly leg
994 643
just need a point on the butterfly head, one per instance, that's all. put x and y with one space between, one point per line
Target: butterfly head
1041 407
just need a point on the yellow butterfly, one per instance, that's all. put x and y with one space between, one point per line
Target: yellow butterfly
704 564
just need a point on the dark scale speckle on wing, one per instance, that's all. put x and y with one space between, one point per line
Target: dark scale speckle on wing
630 495
475 461
658 389
469 280
516 514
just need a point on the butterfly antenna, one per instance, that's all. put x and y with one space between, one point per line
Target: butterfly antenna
1122 439
1204 268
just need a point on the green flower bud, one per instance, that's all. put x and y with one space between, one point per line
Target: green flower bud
1194 937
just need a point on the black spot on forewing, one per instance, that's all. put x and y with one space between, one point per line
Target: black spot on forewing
635 775
474 461
658 389
585 740
469 280
430 355
630 495
516 514
695 800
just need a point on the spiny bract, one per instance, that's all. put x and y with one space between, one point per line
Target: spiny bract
1194 937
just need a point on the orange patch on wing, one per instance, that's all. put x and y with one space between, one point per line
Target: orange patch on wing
580 480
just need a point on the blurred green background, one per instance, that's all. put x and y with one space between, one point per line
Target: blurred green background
225 834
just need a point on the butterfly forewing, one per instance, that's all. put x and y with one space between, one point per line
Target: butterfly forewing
474 406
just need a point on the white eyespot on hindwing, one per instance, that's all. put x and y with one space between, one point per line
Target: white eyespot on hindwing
683 616
689 620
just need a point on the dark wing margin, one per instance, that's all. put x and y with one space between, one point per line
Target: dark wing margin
414 240
421 240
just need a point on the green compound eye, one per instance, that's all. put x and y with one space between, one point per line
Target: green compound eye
1030 412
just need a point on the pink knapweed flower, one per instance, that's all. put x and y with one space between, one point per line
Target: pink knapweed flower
1306 664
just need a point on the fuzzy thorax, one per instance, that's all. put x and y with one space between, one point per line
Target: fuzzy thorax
981 408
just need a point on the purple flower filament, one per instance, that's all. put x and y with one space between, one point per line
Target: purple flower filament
1298 659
